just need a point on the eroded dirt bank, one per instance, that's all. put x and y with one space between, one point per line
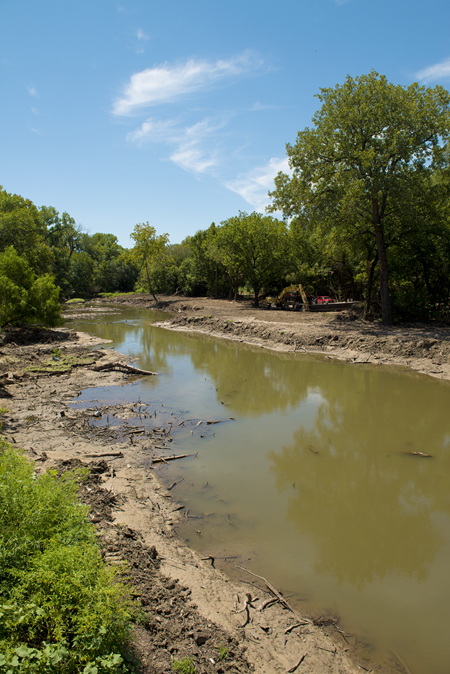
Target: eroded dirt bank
422 347
190 608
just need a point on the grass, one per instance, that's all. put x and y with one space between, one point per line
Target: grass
59 364
61 609
185 666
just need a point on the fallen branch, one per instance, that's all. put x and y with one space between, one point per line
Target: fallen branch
163 459
426 456
209 558
266 603
94 456
120 366
270 587
175 484
292 627
292 669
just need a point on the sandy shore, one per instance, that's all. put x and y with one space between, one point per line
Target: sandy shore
191 608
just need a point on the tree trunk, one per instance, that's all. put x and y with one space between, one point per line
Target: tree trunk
256 291
370 277
149 283
386 309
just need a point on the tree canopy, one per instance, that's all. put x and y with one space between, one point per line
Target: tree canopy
147 247
371 143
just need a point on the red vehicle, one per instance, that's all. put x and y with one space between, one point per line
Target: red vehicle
324 299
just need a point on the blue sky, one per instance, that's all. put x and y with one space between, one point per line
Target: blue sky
178 113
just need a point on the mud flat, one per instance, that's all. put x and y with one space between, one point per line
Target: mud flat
191 609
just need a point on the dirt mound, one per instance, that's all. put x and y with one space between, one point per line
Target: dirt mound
35 335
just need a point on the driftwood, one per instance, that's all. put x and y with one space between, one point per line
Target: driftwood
94 456
426 456
312 449
270 587
121 367
292 627
174 484
163 459
266 603
292 669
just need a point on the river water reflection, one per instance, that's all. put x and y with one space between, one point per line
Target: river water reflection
310 484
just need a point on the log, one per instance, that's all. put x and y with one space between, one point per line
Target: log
94 456
163 459
121 367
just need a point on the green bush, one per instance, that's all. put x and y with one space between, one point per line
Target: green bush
61 609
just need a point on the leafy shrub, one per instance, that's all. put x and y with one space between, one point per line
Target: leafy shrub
61 610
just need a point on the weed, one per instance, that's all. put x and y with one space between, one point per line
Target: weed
185 666
229 320
223 651
61 609
282 332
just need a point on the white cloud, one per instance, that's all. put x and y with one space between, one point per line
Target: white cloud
438 71
254 186
141 35
32 91
166 83
194 149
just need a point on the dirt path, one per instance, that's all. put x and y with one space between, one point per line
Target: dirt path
191 609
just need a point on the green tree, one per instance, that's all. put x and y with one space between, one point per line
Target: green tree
370 139
25 297
254 248
22 226
147 247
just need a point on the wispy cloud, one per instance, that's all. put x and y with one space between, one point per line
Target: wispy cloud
256 184
194 147
32 91
141 35
437 72
166 83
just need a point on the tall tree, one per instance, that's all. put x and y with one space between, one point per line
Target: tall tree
369 139
255 248
147 246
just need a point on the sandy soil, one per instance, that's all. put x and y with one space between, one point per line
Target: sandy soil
191 609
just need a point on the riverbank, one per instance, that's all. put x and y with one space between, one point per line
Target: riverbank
191 610
343 335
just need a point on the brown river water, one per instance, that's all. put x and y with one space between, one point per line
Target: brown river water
310 478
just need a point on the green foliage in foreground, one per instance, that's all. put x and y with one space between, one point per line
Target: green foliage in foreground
61 610
26 298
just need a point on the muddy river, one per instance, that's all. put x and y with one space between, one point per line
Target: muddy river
330 480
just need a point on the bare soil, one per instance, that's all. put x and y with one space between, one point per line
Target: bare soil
190 609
